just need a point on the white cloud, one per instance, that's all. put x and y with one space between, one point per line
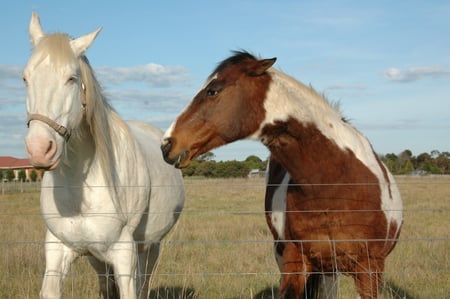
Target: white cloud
152 74
416 73
172 99
10 72
346 86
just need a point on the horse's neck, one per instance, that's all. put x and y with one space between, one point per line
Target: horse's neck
289 98
79 158
306 134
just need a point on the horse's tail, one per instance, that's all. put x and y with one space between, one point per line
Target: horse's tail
319 286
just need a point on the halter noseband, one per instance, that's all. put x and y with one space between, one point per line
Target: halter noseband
60 129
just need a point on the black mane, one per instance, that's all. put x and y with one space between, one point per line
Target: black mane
236 58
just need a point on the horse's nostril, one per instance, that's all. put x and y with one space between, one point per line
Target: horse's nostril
49 148
168 141
166 146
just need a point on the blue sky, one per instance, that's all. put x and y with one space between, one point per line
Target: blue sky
387 62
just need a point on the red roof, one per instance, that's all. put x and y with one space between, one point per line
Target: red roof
11 162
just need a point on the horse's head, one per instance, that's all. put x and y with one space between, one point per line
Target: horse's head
55 92
229 107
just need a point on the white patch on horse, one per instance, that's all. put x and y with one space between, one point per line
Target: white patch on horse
278 216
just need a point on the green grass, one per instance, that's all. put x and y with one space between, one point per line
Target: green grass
221 247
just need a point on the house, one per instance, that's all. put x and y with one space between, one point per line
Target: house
256 173
16 165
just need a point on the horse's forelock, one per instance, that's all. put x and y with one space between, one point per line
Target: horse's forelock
56 47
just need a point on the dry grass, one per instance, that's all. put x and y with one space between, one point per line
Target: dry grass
221 247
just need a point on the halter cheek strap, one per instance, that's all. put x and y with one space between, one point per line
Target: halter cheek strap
60 129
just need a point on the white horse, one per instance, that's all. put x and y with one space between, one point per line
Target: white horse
107 192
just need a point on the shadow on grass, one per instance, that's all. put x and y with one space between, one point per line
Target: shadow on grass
173 292
267 293
395 291
390 288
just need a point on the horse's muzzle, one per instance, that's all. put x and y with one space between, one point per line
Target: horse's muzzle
166 148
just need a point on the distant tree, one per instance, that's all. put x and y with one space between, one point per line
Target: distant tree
422 158
10 175
231 169
434 154
430 168
392 162
442 161
191 169
254 162
408 167
33 175
435 162
22 175
206 169
405 155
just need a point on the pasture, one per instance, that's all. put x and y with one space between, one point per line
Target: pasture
221 247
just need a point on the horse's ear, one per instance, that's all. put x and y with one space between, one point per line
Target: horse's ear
261 66
35 29
81 44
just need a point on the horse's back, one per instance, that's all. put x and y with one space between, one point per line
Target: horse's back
167 188
149 139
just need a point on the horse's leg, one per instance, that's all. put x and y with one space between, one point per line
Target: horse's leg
107 284
328 286
367 277
146 264
294 274
58 259
122 255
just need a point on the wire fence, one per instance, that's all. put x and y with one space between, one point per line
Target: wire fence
15 187
221 246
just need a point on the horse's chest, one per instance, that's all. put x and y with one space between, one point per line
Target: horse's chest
85 232
78 224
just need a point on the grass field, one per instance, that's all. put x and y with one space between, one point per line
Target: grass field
221 247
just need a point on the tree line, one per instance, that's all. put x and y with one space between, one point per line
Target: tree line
435 162
206 166
9 175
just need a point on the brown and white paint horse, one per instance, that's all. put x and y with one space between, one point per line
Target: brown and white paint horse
332 206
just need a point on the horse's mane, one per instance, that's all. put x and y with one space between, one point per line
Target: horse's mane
241 56
237 58
108 130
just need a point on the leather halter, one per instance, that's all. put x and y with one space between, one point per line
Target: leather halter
60 129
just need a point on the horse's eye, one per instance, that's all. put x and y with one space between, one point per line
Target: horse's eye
71 80
211 92
25 81
214 88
